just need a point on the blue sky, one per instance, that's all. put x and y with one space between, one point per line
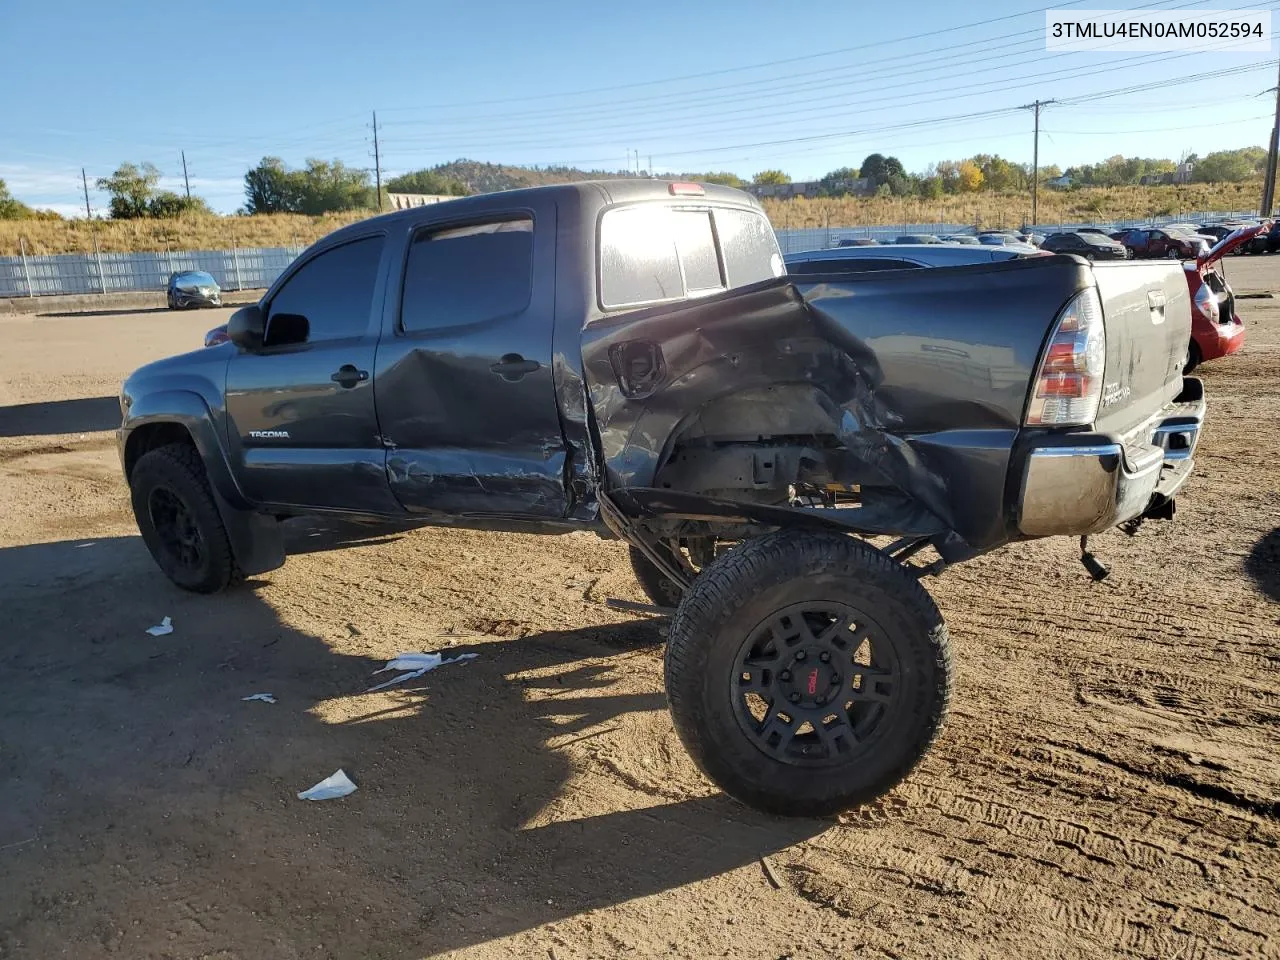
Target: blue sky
742 86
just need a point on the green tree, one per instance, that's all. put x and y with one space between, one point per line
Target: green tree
770 177
931 187
426 181
166 205
330 187
724 178
1230 166
131 188
879 169
11 209
269 188
322 187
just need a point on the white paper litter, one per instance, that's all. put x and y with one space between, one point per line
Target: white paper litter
417 664
330 788
161 629
264 697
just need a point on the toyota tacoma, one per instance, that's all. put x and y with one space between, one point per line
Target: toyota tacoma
786 457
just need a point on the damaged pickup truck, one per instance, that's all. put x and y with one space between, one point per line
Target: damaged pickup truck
787 457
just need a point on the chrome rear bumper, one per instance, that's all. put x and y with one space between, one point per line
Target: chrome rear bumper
1086 484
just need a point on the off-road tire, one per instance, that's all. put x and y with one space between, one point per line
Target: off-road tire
743 590
657 586
177 469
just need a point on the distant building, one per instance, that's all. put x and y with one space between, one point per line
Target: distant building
403 201
1059 183
810 188
1181 174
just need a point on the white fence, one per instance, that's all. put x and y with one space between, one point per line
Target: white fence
70 273
257 267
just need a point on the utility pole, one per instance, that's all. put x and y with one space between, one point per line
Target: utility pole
651 164
377 162
88 214
1269 184
1035 160
184 174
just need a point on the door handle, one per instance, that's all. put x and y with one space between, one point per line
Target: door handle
348 376
512 367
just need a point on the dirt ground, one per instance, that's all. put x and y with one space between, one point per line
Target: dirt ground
1108 783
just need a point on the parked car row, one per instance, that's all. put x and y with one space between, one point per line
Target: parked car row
1173 241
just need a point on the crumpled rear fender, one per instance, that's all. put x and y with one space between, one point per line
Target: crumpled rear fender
911 381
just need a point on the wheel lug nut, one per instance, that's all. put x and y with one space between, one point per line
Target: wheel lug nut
794 698
784 675
800 655
824 657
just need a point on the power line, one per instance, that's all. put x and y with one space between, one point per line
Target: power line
753 66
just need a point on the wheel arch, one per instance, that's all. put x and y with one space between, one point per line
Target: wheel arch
180 416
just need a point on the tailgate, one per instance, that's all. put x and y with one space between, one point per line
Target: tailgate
1147 311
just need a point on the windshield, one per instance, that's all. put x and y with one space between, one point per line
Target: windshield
195 276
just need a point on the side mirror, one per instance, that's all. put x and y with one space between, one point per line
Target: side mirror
246 327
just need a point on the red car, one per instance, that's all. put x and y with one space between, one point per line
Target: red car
1216 330
1171 244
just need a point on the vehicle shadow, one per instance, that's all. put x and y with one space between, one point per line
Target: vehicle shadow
110 312
1263 564
131 764
86 415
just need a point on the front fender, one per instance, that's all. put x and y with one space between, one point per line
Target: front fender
256 539
188 410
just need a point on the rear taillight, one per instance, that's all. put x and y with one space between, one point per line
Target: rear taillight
1068 384
1207 302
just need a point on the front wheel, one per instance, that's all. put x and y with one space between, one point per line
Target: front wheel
179 521
807 673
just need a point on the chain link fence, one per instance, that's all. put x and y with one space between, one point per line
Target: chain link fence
252 268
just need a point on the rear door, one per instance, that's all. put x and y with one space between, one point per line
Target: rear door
464 384
301 417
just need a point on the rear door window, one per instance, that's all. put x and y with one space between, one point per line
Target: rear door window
457 276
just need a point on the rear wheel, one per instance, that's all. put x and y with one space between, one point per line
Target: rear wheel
1194 357
179 521
807 673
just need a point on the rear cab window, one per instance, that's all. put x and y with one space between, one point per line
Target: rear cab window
658 253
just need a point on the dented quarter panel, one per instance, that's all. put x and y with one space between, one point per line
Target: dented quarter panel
921 376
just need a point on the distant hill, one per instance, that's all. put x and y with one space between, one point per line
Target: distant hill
489 177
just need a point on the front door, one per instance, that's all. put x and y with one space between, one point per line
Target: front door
301 417
465 389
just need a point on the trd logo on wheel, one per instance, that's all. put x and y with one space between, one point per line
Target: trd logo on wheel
813 682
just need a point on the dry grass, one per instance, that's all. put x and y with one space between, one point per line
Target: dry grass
187 233
984 210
